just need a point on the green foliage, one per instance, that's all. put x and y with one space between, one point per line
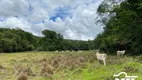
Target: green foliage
13 40
54 41
103 8
77 45
123 31
51 41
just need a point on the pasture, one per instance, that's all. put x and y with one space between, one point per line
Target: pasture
66 66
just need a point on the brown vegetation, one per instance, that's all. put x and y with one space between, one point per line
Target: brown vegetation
22 77
71 61
23 70
130 69
1 67
47 70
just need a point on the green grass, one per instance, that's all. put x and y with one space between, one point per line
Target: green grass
90 69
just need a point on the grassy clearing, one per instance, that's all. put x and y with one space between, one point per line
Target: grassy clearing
66 66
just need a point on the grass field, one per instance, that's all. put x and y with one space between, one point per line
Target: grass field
66 66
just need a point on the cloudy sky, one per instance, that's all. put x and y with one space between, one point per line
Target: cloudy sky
74 19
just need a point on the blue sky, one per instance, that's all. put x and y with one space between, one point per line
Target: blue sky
62 12
74 19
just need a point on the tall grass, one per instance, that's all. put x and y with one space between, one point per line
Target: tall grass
66 66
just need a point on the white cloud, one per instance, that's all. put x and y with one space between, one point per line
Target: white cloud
10 8
13 22
36 15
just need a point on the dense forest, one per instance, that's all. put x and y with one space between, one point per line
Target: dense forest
123 30
17 40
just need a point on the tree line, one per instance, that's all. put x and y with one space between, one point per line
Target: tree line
17 40
123 31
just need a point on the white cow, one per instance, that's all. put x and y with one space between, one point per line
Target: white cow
56 51
120 53
79 51
101 57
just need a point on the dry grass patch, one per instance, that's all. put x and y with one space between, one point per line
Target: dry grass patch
47 70
1 67
130 69
23 70
22 77
71 61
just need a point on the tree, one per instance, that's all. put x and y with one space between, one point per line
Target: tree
123 30
51 41
13 40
